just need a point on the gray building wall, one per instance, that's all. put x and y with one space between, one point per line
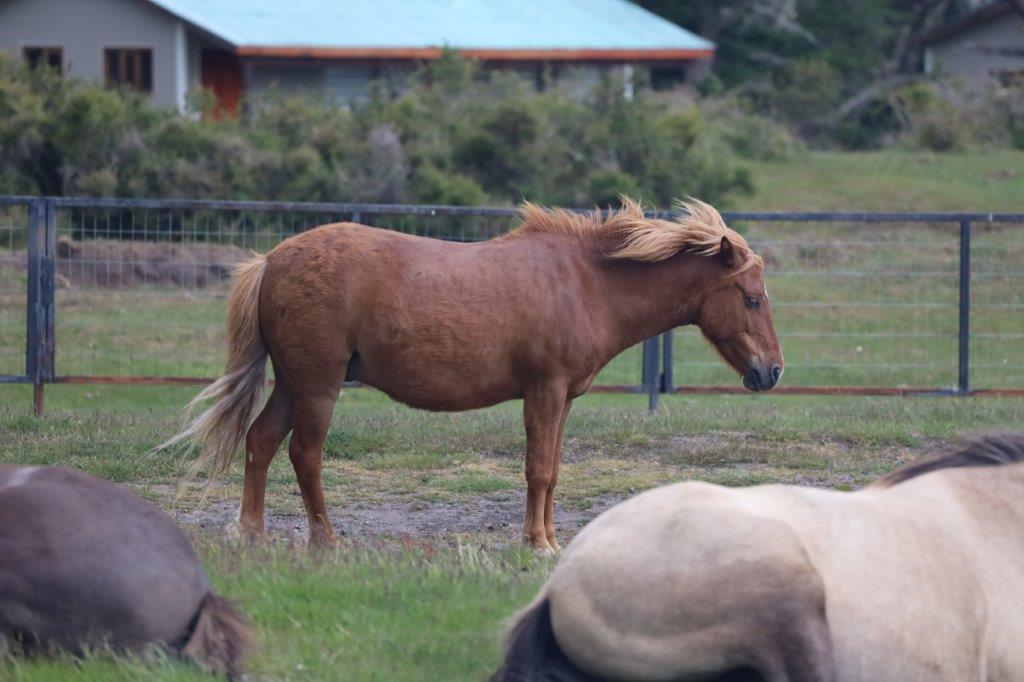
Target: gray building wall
980 53
85 28
285 77
339 80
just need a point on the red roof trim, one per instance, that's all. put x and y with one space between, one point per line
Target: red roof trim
299 52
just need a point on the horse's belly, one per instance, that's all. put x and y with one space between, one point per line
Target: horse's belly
444 400
439 386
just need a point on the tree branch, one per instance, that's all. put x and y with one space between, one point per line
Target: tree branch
868 94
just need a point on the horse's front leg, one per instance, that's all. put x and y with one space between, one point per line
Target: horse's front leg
542 415
549 502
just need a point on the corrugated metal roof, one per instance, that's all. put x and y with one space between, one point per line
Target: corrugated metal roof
463 24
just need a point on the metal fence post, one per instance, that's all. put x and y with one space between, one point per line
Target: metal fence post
668 384
39 337
650 372
963 379
33 328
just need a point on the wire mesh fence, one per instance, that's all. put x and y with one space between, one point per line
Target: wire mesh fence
143 291
862 301
997 306
13 289
872 304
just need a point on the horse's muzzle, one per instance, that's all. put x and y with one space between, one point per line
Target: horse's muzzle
758 379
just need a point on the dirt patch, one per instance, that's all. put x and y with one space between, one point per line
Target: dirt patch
122 264
498 519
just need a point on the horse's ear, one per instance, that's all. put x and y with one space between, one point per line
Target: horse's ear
727 254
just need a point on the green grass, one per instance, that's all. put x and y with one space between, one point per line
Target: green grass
379 452
390 607
417 613
979 181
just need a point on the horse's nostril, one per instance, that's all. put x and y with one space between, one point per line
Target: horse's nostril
776 372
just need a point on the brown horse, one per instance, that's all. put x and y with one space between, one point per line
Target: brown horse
916 577
534 314
86 564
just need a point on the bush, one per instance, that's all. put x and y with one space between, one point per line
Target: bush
1005 107
809 89
932 119
456 135
947 116
748 134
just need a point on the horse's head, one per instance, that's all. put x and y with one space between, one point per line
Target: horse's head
726 297
735 315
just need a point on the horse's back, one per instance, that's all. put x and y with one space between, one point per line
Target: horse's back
691 578
81 555
679 582
435 324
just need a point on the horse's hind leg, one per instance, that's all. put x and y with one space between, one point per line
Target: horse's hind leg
261 444
312 421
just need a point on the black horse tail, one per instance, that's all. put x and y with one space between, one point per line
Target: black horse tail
533 653
221 637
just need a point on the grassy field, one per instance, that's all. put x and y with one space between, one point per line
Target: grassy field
429 505
362 614
983 181
424 613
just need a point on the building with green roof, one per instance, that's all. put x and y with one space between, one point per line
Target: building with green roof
167 47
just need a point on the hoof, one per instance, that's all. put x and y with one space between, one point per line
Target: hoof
322 541
540 547
233 530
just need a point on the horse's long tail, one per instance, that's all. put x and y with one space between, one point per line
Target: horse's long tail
220 637
534 654
220 429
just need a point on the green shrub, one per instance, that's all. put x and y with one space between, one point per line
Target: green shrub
1007 108
933 120
948 116
606 186
748 134
455 135
434 186
809 89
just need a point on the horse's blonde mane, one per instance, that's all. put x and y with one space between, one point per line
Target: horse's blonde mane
698 229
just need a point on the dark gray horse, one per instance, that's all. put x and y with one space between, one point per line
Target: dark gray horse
86 564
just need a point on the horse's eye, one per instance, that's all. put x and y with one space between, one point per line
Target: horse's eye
753 302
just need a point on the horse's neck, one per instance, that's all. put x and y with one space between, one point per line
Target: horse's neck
983 497
646 299
990 494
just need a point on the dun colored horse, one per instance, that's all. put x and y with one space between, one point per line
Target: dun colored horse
85 564
916 577
534 314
